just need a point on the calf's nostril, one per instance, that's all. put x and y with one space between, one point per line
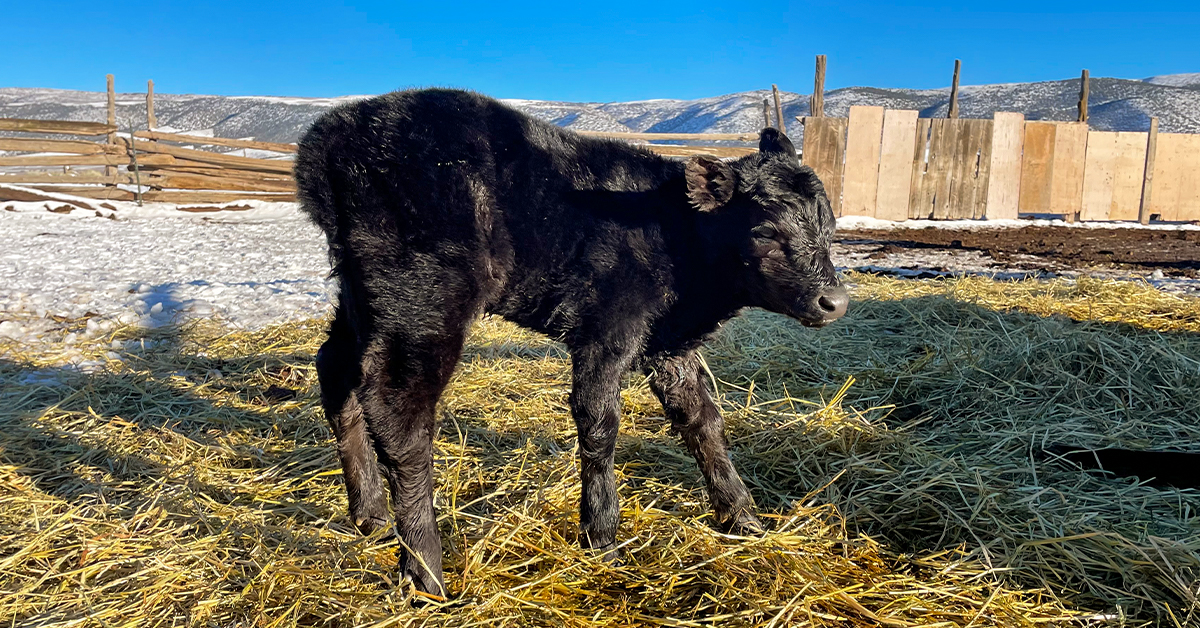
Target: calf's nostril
833 303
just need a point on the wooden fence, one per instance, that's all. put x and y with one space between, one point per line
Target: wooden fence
155 166
891 164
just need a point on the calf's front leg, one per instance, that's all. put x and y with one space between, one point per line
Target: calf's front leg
596 408
676 381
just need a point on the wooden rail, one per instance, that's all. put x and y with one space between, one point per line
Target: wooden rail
215 141
216 159
83 160
56 126
733 137
77 147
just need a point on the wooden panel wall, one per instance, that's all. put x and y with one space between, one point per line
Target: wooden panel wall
1004 185
1177 177
1066 189
825 152
951 181
1112 175
860 184
1037 164
896 164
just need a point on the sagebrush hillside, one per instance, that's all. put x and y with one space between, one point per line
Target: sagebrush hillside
1115 105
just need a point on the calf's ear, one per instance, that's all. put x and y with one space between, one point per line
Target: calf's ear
710 182
772 141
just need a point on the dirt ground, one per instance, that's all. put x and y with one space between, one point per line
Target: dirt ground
1167 258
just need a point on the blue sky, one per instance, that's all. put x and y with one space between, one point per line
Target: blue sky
579 51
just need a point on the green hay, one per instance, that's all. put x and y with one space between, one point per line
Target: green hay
892 454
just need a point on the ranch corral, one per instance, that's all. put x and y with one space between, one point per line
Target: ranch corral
164 459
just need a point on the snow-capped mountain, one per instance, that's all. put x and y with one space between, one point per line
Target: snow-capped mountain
1115 104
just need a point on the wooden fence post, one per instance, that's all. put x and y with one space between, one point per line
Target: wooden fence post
112 120
816 105
1148 178
953 113
1084 84
778 110
766 114
151 121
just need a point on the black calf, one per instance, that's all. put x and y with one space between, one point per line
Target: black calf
442 205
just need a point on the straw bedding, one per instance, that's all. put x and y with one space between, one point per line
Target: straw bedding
897 456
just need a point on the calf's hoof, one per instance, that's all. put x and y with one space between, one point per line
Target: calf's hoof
425 590
368 525
745 524
369 515
611 554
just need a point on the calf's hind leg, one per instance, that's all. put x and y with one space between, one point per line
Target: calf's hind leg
338 370
676 381
404 374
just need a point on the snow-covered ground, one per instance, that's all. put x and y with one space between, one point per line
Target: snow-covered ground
154 266
157 265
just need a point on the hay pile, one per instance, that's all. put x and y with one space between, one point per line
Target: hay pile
895 455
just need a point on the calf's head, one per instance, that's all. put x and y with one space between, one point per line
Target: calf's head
775 215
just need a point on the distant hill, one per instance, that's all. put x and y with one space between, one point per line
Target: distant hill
1115 105
1191 81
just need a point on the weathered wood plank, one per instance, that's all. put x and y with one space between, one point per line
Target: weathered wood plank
230 161
980 152
778 110
736 137
104 192
61 127
943 135
216 141
1148 180
1176 184
896 164
95 177
1070 148
954 182
1113 173
1099 167
200 182
170 196
28 194
224 173
1129 172
686 151
82 160
1037 165
112 119
920 201
75 147
167 196
151 120
816 104
953 110
1004 178
860 183
825 152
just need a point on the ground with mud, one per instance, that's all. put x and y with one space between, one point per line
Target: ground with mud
1167 258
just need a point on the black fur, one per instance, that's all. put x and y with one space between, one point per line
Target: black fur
441 205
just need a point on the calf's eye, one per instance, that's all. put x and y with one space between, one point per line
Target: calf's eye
763 231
